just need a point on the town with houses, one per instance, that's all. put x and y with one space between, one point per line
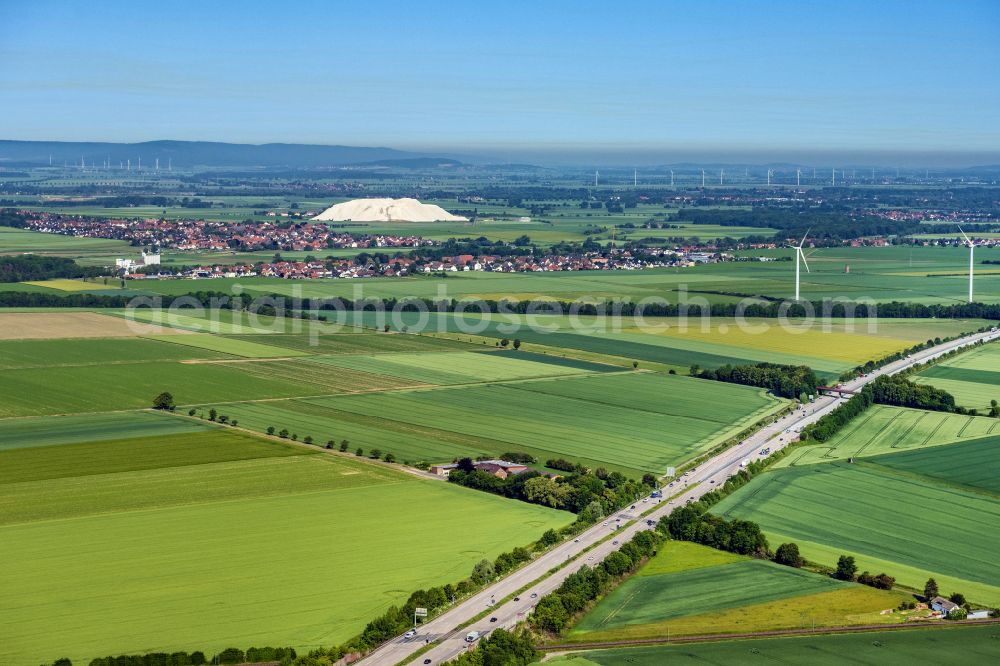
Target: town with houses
197 235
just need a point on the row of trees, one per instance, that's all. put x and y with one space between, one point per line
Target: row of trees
788 381
501 648
36 267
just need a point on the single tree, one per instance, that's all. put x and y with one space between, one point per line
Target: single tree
330 443
308 439
191 412
846 568
164 401
635 364
957 598
283 433
375 454
517 343
343 446
212 414
233 423
389 458
359 452
931 589
788 555
504 342
270 430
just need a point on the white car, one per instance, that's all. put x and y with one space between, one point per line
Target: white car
410 634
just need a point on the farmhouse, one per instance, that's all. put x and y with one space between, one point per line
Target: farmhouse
498 468
943 606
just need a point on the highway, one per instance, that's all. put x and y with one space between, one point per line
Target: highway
699 480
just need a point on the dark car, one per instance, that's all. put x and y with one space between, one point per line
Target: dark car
493 619
427 661
517 598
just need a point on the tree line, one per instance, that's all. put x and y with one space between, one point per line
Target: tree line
589 494
787 381
35 267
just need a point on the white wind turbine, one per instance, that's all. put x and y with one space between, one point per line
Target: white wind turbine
972 248
800 256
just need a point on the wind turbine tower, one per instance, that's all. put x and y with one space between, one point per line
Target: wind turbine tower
800 256
595 177
671 178
703 178
972 248
635 178
769 178
835 178
798 177
721 171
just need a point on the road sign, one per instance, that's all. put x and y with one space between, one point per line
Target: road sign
420 612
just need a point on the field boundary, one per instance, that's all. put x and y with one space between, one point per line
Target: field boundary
705 638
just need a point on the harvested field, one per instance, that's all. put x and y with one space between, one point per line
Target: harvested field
22 326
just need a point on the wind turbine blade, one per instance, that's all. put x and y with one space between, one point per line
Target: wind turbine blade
806 263
964 236
804 237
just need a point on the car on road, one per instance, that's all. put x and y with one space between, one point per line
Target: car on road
472 637
614 543
493 619
534 595
517 598
410 634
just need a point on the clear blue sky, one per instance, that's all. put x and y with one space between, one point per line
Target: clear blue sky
516 78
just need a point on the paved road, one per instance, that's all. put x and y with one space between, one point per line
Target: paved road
700 480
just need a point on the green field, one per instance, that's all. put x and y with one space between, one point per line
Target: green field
688 589
926 526
973 377
451 367
19 241
653 598
877 648
201 540
634 421
233 346
884 429
49 431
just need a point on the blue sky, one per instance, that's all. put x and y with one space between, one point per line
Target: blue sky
776 79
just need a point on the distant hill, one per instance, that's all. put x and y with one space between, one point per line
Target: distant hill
209 154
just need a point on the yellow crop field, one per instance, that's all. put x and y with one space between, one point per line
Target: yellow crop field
856 347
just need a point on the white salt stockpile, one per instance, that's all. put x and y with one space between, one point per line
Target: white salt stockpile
386 210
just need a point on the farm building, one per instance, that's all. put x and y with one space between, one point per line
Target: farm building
498 468
943 606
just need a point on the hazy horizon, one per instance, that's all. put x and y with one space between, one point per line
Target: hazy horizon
893 83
